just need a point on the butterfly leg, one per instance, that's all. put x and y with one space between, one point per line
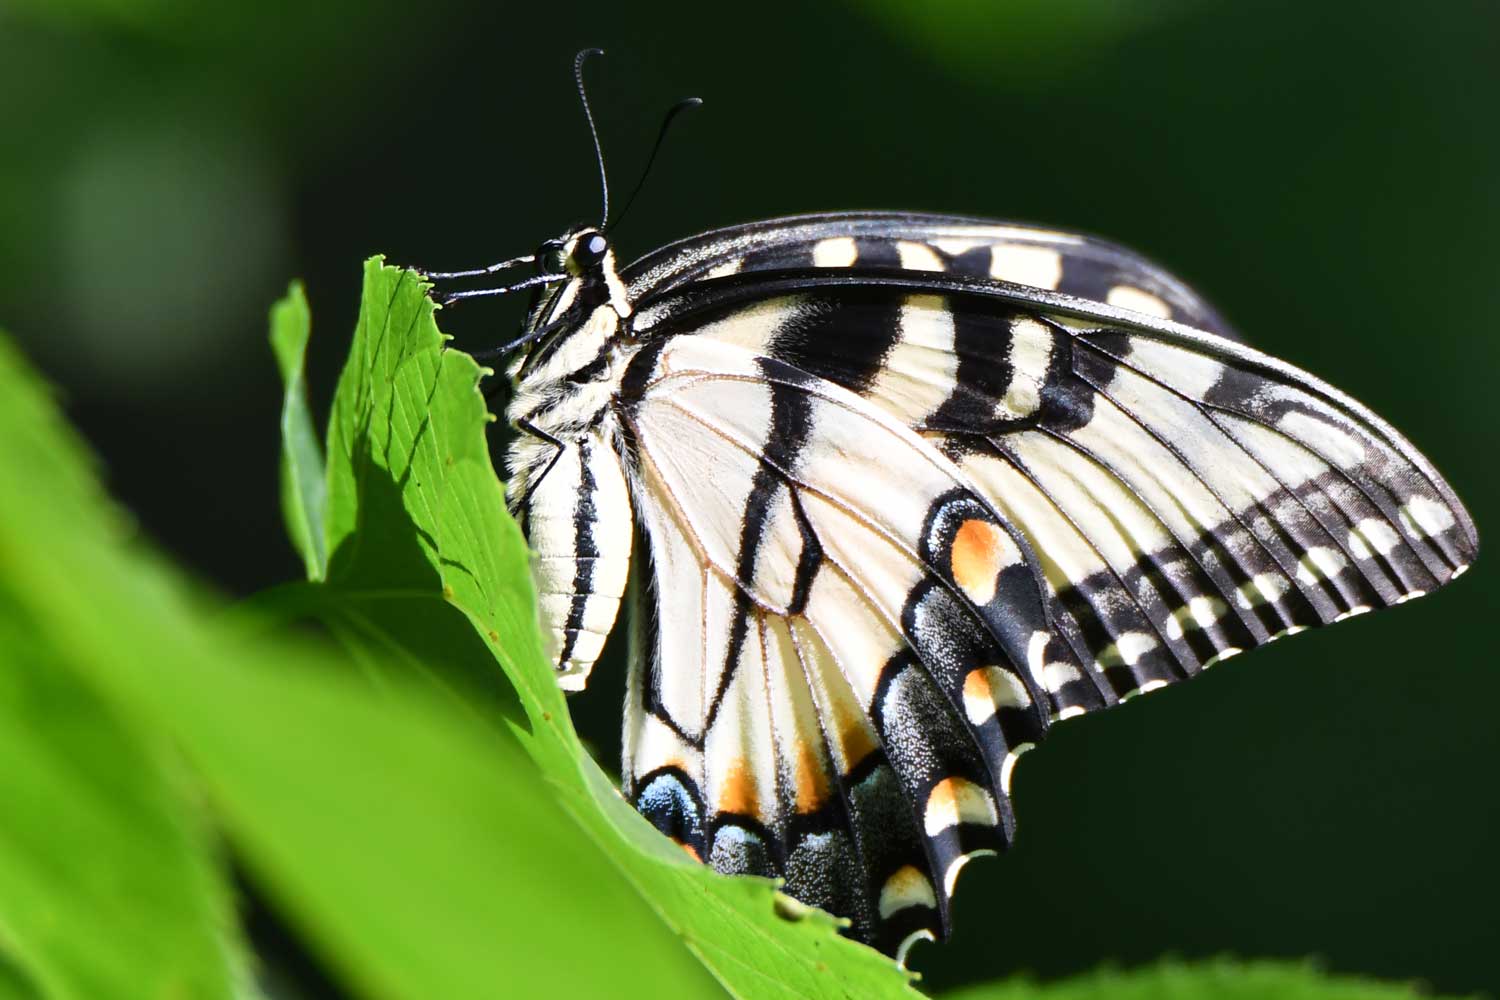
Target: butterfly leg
557 449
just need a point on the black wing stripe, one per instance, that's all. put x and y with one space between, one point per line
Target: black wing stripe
1240 391
1175 576
1432 562
1374 496
1196 575
864 912
1295 510
987 743
1111 620
904 834
1341 504
1231 527
1424 570
1239 540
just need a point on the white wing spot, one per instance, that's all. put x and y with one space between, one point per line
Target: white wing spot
1036 651
837 251
725 269
1138 299
1055 675
1227 653
751 327
1426 517
1039 267
917 256
1320 563
955 245
1008 766
906 887
950 877
1191 374
1262 589
1030 352
1358 609
1126 650
1145 688
1371 536
1203 611
905 946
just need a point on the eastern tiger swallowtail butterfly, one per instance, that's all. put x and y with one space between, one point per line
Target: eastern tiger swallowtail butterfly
898 493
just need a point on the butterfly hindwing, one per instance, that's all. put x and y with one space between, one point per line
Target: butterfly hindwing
885 614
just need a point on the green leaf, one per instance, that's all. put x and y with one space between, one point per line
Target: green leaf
415 510
417 849
1222 979
108 886
303 480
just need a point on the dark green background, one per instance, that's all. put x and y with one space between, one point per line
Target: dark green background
1328 174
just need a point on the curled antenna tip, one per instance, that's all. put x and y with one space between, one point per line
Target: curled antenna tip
661 135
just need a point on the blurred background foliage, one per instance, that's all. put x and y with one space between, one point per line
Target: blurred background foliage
1328 174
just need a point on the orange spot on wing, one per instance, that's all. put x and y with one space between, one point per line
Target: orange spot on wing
977 687
858 741
688 849
738 794
811 779
975 558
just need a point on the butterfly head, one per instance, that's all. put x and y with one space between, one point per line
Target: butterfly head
578 268
577 252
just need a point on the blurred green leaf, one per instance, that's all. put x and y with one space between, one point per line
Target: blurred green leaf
1222 979
303 478
415 511
108 885
417 850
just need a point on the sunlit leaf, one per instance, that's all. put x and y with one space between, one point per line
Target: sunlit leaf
415 508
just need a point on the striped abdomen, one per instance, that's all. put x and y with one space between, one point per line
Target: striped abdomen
578 520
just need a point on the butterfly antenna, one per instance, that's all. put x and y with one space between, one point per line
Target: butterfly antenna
666 123
583 96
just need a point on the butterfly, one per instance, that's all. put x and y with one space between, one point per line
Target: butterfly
893 494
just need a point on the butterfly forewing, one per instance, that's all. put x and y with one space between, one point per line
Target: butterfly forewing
979 249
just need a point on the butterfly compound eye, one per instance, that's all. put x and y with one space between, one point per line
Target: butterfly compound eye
551 259
589 250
